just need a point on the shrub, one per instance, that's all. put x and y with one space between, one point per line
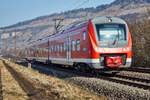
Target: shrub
141 43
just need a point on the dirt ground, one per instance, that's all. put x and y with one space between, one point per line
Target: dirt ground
51 88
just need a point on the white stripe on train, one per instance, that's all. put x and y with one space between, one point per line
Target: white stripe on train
72 60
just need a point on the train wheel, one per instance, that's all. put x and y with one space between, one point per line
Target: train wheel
82 67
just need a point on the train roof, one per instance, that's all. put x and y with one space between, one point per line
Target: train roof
75 24
107 19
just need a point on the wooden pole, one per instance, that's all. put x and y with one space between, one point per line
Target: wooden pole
15 43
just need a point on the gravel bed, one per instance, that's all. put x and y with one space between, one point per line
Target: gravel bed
135 74
102 87
111 89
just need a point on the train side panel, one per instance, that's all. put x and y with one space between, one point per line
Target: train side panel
42 51
58 47
80 46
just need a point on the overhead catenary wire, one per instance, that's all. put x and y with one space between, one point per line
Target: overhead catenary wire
81 4
77 1
58 21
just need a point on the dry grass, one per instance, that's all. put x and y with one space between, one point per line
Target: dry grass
10 88
59 88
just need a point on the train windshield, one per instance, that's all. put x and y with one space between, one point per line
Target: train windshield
111 35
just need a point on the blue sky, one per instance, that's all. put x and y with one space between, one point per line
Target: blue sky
13 11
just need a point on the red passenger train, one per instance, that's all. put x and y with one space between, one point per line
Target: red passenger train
99 43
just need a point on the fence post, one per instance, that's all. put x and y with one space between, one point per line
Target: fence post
29 64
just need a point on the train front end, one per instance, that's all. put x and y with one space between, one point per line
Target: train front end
111 43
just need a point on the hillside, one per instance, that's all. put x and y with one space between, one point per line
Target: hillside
27 31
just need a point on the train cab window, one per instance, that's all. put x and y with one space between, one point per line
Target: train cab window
73 45
78 45
84 35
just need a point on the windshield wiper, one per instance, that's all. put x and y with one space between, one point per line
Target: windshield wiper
116 38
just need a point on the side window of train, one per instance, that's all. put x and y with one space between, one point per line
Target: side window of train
52 48
73 45
40 51
60 47
78 45
55 48
84 35
64 46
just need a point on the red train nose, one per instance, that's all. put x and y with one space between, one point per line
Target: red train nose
113 62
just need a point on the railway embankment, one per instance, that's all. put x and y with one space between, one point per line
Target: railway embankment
24 83
10 87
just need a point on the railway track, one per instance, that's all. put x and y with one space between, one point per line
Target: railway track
134 78
141 70
32 92
125 80
128 81
1 92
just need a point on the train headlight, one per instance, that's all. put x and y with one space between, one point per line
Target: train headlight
109 60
